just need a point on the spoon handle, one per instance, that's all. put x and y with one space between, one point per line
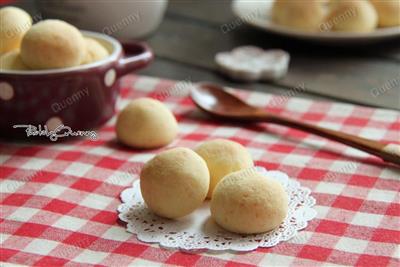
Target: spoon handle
387 152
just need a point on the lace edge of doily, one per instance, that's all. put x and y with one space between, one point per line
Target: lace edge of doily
308 203
125 206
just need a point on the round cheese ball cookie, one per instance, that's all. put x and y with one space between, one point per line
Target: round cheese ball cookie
146 123
12 61
14 22
175 182
302 15
52 44
223 157
388 12
352 16
246 202
94 51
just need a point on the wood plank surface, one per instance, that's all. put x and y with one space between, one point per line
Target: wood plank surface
165 68
340 74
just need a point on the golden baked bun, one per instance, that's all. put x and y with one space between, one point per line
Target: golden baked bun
53 44
302 15
247 202
12 61
388 12
223 157
146 123
94 51
14 23
174 183
352 16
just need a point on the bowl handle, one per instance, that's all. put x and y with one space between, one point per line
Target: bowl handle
136 55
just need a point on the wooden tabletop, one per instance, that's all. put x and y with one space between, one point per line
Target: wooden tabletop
192 32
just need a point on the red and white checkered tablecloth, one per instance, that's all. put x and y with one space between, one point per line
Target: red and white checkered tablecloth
59 200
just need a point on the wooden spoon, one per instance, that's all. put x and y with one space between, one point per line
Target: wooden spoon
212 99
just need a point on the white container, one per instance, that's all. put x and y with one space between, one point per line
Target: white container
124 19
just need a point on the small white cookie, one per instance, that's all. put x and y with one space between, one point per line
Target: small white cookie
251 63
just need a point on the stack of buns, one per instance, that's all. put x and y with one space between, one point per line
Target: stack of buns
336 15
177 181
48 44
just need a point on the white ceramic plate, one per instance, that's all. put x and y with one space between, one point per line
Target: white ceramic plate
257 14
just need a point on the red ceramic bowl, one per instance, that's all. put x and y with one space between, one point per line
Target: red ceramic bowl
81 97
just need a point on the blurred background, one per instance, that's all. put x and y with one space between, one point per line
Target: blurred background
185 36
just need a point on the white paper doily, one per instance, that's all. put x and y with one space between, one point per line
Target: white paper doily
198 231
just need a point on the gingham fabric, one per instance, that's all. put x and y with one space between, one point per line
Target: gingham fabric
59 200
